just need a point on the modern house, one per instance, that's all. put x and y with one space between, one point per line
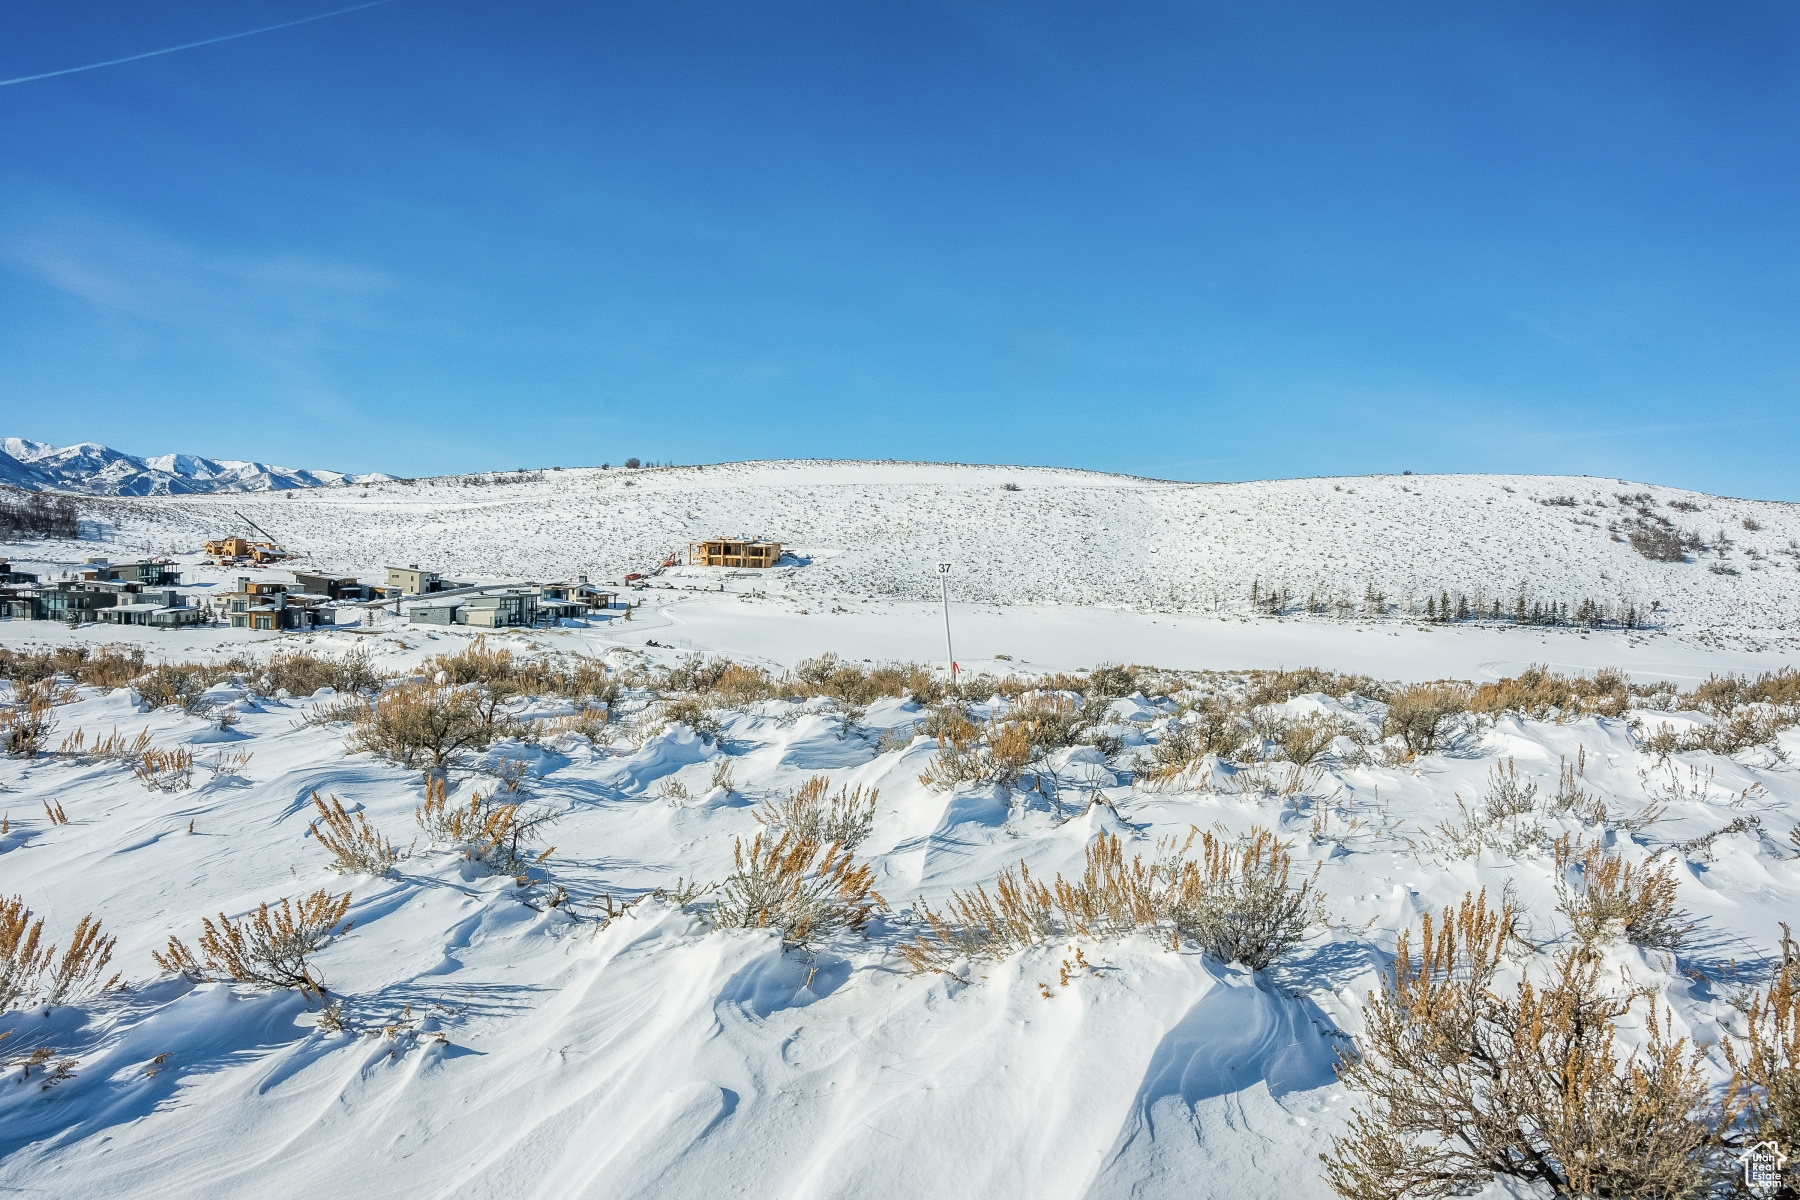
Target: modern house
160 608
506 610
580 591
414 582
511 608
150 573
270 606
333 587
733 552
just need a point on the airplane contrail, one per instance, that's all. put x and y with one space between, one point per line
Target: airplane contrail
113 62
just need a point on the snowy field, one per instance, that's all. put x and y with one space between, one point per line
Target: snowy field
497 1045
878 530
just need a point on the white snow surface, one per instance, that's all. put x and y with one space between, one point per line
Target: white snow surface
879 529
657 1058
93 469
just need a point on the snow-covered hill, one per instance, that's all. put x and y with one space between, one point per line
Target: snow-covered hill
1033 535
91 468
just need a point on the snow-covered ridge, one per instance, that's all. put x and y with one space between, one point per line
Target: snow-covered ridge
97 470
1039 535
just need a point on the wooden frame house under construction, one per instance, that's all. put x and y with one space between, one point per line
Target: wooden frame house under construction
733 552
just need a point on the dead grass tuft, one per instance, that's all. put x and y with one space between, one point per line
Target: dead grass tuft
1235 902
32 973
487 831
798 886
269 948
166 770
1605 898
353 843
811 813
114 747
29 720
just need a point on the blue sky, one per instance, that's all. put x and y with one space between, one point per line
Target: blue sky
1203 242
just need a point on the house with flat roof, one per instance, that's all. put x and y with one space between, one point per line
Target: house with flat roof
150 574
413 581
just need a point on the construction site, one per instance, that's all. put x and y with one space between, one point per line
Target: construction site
237 550
733 552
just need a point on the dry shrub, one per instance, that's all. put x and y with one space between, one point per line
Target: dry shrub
1109 681
995 752
1505 797
1700 849
345 710
31 973
113 747
1462 1082
1020 914
166 770
896 738
855 686
29 719
353 843
1277 687
1303 740
416 723
1216 728
487 831
476 663
184 684
1235 902
501 674
1726 735
1537 690
738 686
1248 912
1574 799
698 673
1720 694
229 763
1765 1073
589 723
1611 898
268 948
300 673
1417 712
811 813
793 884
107 666
722 778
687 711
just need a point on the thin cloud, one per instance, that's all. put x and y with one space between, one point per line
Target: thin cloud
227 37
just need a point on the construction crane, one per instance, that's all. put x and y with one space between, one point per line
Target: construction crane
236 549
271 544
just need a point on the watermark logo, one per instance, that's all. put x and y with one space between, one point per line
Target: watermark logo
1764 1167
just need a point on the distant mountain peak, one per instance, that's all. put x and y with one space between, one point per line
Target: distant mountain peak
92 469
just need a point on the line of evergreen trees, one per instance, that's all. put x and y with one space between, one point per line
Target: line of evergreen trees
1446 607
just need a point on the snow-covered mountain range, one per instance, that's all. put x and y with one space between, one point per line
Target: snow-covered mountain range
97 470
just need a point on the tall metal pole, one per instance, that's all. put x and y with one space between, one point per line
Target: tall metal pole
949 654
